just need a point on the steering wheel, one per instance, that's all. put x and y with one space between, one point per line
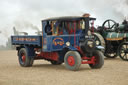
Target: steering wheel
109 25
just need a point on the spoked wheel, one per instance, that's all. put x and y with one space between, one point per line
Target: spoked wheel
24 59
99 60
123 51
99 40
72 60
109 25
55 63
111 55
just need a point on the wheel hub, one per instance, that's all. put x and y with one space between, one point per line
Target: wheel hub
71 60
23 57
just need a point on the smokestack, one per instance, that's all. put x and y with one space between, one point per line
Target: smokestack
15 31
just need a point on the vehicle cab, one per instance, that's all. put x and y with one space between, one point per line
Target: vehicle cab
64 32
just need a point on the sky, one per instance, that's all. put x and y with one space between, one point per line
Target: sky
26 15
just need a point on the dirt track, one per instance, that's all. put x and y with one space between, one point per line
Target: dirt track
114 72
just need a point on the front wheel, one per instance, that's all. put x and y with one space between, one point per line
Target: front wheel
24 59
72 60
99 60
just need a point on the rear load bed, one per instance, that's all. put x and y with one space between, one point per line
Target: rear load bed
27 40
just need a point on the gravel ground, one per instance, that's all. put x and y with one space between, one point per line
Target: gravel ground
114 72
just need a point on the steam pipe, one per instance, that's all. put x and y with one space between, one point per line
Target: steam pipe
86 25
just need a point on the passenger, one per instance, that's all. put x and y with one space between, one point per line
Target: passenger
62 29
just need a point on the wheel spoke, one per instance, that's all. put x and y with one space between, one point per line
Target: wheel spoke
109 24
124 47
122 51
124 55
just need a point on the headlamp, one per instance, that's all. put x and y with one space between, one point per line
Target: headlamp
67 43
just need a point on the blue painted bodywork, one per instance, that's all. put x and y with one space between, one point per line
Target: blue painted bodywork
50 43
50 46
27 40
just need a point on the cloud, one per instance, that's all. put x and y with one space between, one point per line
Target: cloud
25 14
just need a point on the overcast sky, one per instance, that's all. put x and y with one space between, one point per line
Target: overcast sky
23 14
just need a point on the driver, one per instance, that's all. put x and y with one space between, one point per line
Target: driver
48 29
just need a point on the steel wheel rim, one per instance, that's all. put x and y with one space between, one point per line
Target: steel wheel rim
96 60
71 61
124 51
23 57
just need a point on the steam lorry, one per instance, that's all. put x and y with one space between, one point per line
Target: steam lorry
63 40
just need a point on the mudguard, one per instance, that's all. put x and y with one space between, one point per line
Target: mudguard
71 48
30 51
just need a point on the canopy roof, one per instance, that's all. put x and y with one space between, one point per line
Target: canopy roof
68 18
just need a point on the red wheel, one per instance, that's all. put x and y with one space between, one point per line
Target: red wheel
71 60
24 59
99 60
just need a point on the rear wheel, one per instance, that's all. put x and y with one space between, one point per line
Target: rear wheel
24 59
111 55
99 40
99 60
123 51
55 63
72 60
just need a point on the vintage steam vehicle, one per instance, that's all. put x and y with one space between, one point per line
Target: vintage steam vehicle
63 39
114 37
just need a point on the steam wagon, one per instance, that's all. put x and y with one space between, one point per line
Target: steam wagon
63 40
114 37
